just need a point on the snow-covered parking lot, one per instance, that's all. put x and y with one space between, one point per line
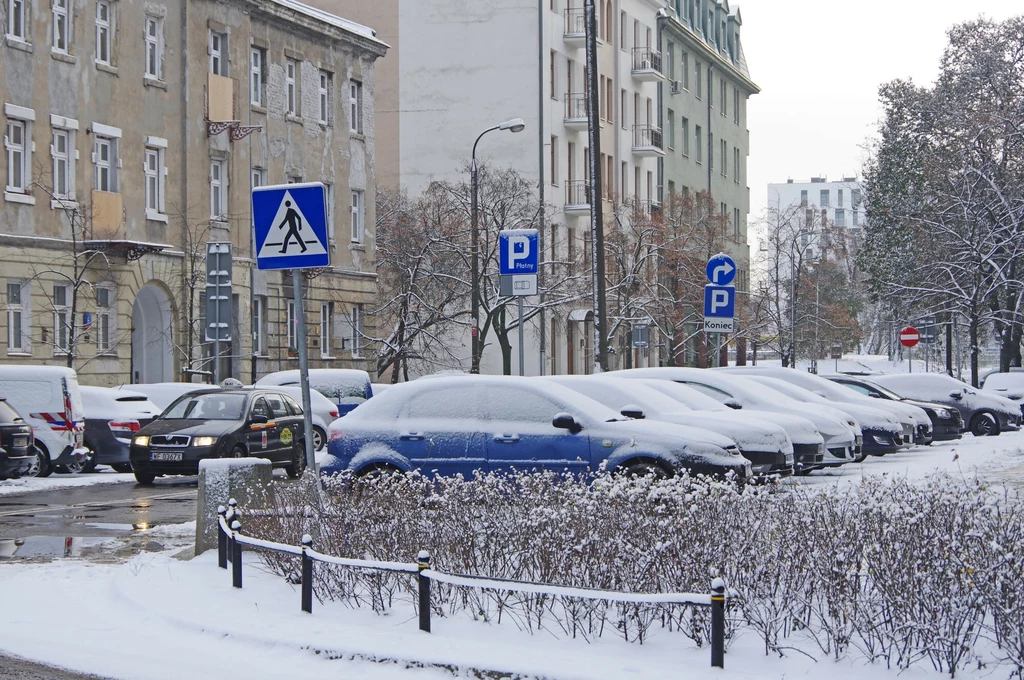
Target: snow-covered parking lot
160 617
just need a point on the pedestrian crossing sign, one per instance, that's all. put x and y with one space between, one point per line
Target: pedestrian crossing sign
290 225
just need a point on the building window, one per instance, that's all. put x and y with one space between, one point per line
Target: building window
622 32
736 230
259 325
856 218
670 59
725 158
61 153
104 22
723 90
257 61
61 22
698 88
61 319
553 89
104 318
355 106
854 198
823 202
736 164
290 68
104 157
218 53
17 299
154 48
18 144
622 109
698 142
684 72
218 189
259 177
839 198
840 217
326 318
325 97
292 321
711 150
803 197
357 217
671 120
736 105
623 175
357 331
554 160
329 196
16 19
685 132
153 167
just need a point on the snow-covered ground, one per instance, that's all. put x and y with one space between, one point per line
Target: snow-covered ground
157 616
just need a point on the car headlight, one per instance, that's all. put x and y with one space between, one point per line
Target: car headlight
943 413
204 441
141 441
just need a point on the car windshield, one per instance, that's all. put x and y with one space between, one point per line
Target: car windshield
206 407
687 396
8 415
884 390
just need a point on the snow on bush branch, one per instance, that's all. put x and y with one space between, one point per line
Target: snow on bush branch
887 571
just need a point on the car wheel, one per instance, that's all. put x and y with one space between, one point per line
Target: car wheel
984 424
298 464
41 467
122 467
145 478
238 451
643 470
319 439
378 470
803 472
77 467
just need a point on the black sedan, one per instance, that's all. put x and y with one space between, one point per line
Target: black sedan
16 456
946 422
221 423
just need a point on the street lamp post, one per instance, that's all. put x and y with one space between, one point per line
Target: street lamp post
792 295
513 125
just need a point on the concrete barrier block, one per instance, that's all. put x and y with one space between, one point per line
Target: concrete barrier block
247 480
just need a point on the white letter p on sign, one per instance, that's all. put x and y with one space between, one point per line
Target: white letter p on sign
719 299
518 249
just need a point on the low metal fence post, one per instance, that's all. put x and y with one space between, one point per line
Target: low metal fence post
718 623
229 540
236 560
222 539
307 574
423 562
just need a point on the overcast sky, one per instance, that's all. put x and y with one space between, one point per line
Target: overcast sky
819 64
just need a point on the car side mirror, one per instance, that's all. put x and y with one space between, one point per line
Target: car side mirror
732 403
957 394
565 421
258 418
633 411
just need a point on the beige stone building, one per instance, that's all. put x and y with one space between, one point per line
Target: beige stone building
133 134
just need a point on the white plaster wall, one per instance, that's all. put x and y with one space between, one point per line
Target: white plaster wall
466 66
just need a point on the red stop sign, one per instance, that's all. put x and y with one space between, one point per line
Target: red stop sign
909 336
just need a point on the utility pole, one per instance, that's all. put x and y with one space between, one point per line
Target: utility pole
596 216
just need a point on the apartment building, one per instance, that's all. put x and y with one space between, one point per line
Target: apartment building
463 68
839 202
134 133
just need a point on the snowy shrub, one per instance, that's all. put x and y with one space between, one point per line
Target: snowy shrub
888 571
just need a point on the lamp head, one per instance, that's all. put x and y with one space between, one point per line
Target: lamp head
515 125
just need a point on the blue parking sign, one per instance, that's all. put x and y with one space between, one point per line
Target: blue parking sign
518 252
719 301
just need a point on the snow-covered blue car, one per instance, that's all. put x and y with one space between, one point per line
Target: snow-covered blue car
458 425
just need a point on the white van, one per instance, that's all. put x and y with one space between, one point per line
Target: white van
47 397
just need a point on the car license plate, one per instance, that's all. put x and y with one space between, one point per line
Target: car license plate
170 456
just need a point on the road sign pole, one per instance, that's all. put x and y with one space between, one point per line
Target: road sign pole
522 351
307 417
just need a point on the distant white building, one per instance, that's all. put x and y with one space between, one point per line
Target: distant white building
839 202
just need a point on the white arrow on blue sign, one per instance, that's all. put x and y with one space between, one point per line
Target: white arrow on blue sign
517 251
721 270
290 225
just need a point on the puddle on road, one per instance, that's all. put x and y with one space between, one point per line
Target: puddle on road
68 546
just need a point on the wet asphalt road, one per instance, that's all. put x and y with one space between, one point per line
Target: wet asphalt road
66 522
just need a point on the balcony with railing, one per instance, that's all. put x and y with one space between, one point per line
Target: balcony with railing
647 64
576 111
575 26
647 141
577 196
